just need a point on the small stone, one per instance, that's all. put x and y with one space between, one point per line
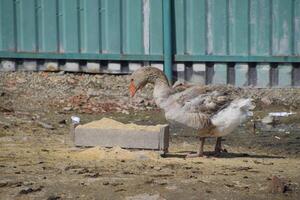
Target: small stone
67 108
4 125
116 184
3 183
267 101
157 168
30 190
161 182
267 120
45 125
63 121
125 112
278 185
53 197
105 183
61 73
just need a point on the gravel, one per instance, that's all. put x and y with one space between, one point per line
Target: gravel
87 93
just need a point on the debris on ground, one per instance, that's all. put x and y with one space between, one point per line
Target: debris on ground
30 190
278 185
39 165
45 125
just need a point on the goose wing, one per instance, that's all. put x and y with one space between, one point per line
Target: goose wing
202 99
196 106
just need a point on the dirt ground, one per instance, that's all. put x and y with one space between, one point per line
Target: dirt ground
38 161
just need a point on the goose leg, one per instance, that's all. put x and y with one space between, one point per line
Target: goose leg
200 150
218 147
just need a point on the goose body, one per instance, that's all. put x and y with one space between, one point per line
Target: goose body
211 112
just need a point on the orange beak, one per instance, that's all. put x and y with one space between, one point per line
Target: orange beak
132 89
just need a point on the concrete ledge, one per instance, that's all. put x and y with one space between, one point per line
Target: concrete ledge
28 65
125 138
51 66
92 67
7 66
71 67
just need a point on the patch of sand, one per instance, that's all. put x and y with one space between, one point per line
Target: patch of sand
99 153
106 123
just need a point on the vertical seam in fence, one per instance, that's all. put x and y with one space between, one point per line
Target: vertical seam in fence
78 7
36 9
60 26
271 28
167 34
249 28
293 38
122 26
57 26
227 28
206 26
15 25
100 25
146 26
184 27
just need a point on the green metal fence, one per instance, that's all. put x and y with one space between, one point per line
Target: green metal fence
240 42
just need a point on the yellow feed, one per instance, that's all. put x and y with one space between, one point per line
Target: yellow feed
106 123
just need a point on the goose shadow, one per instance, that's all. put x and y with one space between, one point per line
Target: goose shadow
182 154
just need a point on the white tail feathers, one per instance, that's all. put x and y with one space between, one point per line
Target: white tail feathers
231 117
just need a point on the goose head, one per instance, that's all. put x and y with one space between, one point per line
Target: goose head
144 75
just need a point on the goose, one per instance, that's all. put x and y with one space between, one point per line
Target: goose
212 113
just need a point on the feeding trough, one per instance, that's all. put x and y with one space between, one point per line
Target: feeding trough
109 133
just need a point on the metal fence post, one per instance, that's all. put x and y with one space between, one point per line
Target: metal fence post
167 39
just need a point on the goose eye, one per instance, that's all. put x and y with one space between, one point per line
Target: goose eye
132 79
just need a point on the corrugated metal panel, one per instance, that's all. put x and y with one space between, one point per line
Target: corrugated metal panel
241 42
8 31
85 28
155 27
241 30
238 42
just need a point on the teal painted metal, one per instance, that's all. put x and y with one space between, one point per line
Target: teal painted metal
217 33
238 27
90 32
238 58
26 22
260 27
8 31
156 27
296 31
47 27
239 31
82 29
167 39
82 56
132 30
